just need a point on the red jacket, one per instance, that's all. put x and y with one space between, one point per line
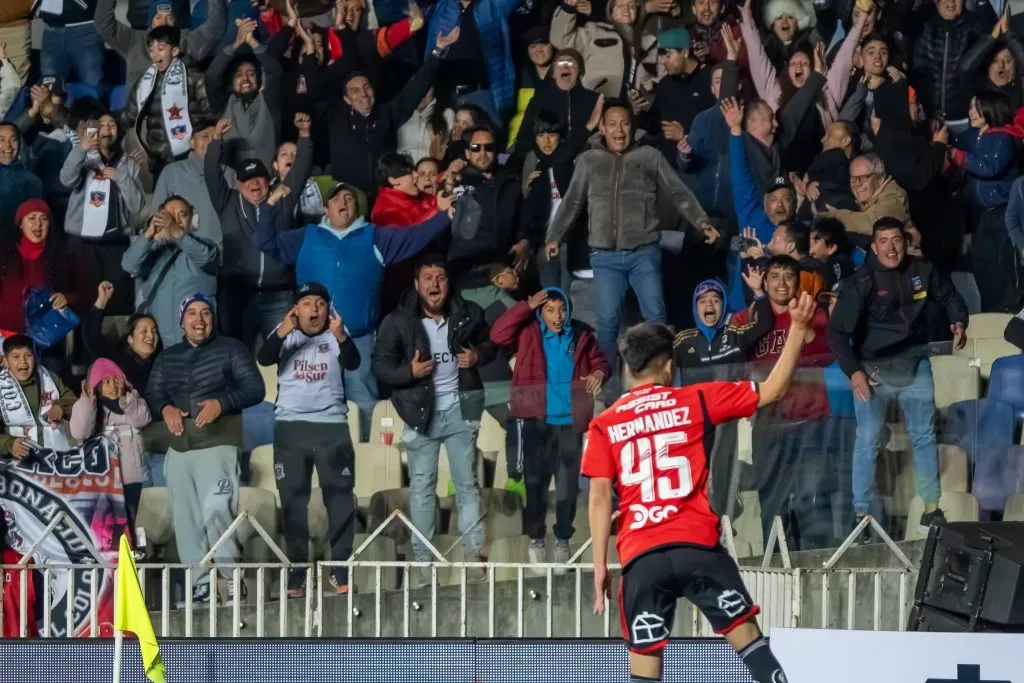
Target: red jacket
395 208
519 329
13 287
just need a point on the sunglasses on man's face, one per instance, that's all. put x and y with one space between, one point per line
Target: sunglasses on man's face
482 147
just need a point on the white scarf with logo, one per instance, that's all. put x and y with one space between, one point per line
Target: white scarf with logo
17 415
96 205
173 102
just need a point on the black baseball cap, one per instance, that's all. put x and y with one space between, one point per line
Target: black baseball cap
312 289
535 35
778 182
337 189
55 84
252 168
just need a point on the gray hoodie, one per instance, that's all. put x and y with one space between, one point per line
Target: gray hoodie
621 192
130 195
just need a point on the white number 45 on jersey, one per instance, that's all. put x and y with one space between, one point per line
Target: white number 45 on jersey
646 462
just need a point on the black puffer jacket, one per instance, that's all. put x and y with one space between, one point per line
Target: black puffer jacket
401 334
937 48
220 368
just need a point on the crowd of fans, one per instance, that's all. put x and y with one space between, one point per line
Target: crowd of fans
446 204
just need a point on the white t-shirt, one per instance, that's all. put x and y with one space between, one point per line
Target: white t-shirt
446 365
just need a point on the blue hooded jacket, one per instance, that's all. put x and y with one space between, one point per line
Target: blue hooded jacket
712 285
559 350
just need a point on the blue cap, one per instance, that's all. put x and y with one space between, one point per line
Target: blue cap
674 39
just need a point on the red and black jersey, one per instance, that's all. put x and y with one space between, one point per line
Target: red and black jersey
653 443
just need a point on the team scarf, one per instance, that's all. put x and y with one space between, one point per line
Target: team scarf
96 205
173 103
18 419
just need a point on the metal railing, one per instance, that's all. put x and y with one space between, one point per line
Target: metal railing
512 599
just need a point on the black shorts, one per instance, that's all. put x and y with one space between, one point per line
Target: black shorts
654 581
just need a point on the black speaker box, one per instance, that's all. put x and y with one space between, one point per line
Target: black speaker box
973 571
933 620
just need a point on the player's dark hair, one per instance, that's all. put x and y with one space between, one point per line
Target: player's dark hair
831 230
642 344
467 135
16 341
169 35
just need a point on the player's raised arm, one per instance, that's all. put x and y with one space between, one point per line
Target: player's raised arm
801 310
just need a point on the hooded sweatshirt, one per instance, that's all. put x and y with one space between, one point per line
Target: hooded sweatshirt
725 341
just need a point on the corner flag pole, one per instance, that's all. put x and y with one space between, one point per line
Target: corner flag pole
118 652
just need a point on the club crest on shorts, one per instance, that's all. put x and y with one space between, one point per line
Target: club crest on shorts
733 603
648 628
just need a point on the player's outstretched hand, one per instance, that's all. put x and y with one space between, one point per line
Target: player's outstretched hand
602 589
801 310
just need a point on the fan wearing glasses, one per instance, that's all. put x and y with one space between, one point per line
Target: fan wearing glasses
487 232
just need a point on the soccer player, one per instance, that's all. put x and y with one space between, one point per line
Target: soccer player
652 446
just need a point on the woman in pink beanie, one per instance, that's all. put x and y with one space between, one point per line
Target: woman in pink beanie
110 405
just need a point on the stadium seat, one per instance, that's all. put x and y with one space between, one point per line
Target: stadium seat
998 474
261 469
987 325
385 419
502 511
354 421
515 549
958 507
953 469
990 349
744 440
155 517
381 549
747 525
491 439
1014 511
118 97
262 505
955 380
378 467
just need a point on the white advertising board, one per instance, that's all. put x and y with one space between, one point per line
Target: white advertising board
818 655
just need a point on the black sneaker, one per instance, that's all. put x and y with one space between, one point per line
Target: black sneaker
866 534
297 583
929 519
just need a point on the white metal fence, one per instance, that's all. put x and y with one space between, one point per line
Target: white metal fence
513 599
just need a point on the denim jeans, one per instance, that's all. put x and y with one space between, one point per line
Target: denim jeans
361 386
459 439
78 46
156 476
917 401
613 272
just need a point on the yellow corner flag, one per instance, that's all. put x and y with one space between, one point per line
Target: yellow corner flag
130 613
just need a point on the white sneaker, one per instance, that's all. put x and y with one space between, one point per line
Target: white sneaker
562 555
538 555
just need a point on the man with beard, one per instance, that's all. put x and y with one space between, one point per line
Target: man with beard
348 256
130 43
624 240
169 260
200 386
706 36
311 348
879 333
253 100
429 351
561 93
487 231
789 439
255 288
17 183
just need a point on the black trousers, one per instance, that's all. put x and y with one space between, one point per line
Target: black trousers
298 446
550 450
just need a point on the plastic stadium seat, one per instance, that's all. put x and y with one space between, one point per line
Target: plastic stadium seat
743 549
955 380
747 525
385 419
354 421
261 469
378 467
1014 508
987 325
953 469
967 287
509 549
118 97
988 350
381 549
491 439
262 505
1007 381
958 507
502 511
269 375
154 515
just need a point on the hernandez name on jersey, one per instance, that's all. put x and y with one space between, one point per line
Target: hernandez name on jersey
653 443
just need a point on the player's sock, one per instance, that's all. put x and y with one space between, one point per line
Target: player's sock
763 666
643 679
